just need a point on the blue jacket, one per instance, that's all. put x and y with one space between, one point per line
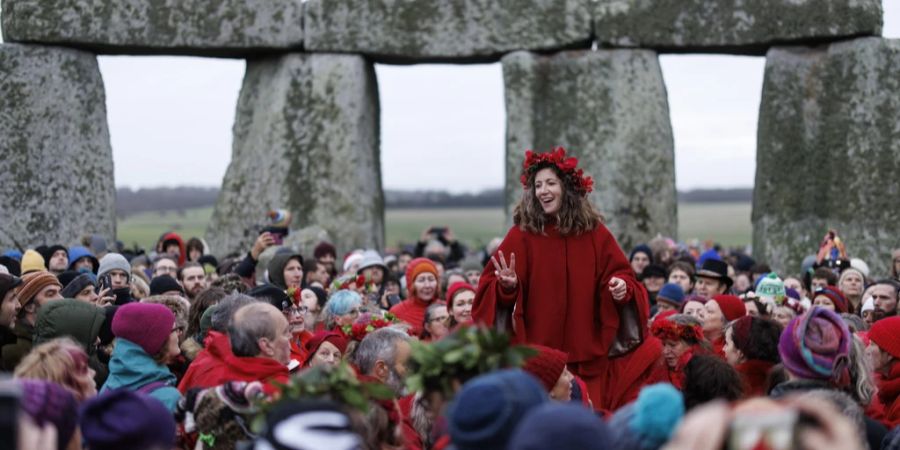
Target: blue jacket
132 368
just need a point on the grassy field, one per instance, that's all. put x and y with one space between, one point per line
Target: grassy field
726 223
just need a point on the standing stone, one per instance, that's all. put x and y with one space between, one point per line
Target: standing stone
732 26
609 109
56 167
445 30
306 138
190 27
829 140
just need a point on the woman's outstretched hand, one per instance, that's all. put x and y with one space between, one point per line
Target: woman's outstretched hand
617 288
506 273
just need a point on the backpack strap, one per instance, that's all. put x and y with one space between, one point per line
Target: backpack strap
150 387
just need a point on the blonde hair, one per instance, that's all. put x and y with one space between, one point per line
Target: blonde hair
60 361
576 213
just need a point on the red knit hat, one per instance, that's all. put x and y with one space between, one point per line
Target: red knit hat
732 306
146 324
417 267
333 337
740 332
835 295
547 365
454 288
886 335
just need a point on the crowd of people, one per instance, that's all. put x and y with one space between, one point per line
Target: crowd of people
551 337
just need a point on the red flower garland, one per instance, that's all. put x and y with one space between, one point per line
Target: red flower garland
567 165
365 325
665 329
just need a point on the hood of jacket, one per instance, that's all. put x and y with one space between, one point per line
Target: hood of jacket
173 236
276 268
74 318
132 368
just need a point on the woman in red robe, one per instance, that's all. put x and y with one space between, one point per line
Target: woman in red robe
560 279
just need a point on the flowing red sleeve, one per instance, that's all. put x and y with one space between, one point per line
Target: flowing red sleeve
629 317
493 306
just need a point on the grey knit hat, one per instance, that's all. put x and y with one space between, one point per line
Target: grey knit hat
113 261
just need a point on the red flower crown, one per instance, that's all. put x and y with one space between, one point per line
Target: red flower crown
367 324
568 166
665 329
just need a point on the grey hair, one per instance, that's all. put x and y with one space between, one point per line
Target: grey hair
854 322
684 319
251 322
845 405
379 345
224 313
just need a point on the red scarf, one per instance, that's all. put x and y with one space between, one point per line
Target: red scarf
889 391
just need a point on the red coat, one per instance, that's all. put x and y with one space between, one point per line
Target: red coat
411 438
562 300
207 366
266 370
411 311
755 375
889 396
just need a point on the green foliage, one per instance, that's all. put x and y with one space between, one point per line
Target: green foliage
338 384
464 354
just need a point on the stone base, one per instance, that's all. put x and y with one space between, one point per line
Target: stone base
56 167
829 142
306 138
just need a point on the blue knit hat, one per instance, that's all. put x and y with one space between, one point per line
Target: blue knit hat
556 425
489 407
648 422
126 419
671 293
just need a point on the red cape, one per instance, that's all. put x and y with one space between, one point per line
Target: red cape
562 300
205 369
216 364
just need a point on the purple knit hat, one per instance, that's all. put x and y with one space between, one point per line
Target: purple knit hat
816 346
126 419
47 402
145 324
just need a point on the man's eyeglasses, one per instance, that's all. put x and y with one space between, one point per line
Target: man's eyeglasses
298 310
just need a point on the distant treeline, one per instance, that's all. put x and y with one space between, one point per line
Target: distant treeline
129 202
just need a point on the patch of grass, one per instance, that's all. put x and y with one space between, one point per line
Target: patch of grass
725 223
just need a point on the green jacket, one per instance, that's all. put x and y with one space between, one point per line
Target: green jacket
13 353
78 320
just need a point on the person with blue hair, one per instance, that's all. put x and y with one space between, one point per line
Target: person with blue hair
341 309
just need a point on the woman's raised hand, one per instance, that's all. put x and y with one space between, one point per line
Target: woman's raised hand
506 273
617 288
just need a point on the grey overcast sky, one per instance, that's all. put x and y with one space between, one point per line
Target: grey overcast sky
442 126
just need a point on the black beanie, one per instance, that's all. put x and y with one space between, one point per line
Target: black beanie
74 285
163 284
271 294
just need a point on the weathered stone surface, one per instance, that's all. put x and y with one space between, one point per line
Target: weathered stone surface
191 27
306 138
609 109
440 30
733 26
829 140
56 168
